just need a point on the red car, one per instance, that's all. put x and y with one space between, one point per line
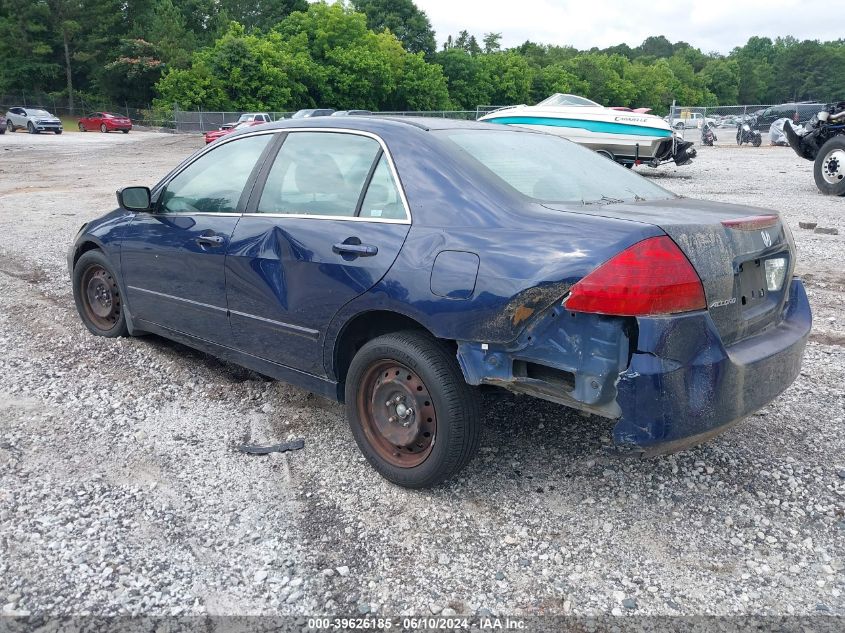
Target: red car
105 122
212 136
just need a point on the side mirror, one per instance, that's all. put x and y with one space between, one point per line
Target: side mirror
134 198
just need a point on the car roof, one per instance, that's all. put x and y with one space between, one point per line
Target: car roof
377 124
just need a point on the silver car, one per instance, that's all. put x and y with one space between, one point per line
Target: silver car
35 120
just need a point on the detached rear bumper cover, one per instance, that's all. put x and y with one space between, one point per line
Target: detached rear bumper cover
679 386
683 384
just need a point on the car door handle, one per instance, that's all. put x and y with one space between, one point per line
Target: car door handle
361 250
210 240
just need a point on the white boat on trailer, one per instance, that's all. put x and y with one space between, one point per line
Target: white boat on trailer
627 137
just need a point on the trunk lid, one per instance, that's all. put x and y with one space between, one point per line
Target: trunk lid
729 257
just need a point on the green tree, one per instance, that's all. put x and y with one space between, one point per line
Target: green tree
721 77
404 19
492 42
131 76
26 47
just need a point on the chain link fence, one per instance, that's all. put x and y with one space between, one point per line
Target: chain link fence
203 121
144 116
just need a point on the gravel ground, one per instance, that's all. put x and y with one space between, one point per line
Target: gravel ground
121 491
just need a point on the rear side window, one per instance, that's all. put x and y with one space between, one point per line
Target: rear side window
548 168
214 182
319 173
382 200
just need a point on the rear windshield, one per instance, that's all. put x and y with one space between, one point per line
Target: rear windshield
549 168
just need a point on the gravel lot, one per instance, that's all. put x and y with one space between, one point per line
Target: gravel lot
121 491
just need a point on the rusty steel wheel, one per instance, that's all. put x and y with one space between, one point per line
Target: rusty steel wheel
410 410
97 295
397 414
101 297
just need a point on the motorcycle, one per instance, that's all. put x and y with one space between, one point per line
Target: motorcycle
822 141
745 133
708 134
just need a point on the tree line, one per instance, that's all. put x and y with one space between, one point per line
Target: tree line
283 55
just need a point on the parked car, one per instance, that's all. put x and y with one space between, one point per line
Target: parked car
396 265
351 113
689 120
2 123
105 122
213 135
261 117
34 120
795 112
312 112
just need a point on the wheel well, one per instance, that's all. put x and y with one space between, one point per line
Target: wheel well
84 248
365 327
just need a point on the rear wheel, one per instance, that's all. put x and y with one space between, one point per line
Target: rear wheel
410 410
82 127
829 167
103 128
757 140
125 131
97 295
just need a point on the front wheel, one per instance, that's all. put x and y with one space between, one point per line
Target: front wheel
739 138
31 128
410 410
9 125
125 131
829 167
58 131
97 295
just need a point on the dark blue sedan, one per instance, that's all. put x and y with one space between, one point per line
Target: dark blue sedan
398 264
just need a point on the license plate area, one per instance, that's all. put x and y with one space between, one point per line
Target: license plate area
753 297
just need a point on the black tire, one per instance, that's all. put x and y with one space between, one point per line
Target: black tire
757 140
103 128
739 138
94 268
829 167
58 131
82 128
125 131
2 129
455 407
31 128
9 125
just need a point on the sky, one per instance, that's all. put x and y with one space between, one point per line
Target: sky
711 25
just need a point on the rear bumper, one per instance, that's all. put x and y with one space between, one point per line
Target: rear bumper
683 386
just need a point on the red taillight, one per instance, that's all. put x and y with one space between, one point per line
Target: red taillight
650 277
751 222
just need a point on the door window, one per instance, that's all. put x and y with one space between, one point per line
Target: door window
319 173
214 182
383 200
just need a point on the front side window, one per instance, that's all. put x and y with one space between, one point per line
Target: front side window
214 182
319 173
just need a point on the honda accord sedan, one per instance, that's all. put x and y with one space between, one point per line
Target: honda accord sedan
396 265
